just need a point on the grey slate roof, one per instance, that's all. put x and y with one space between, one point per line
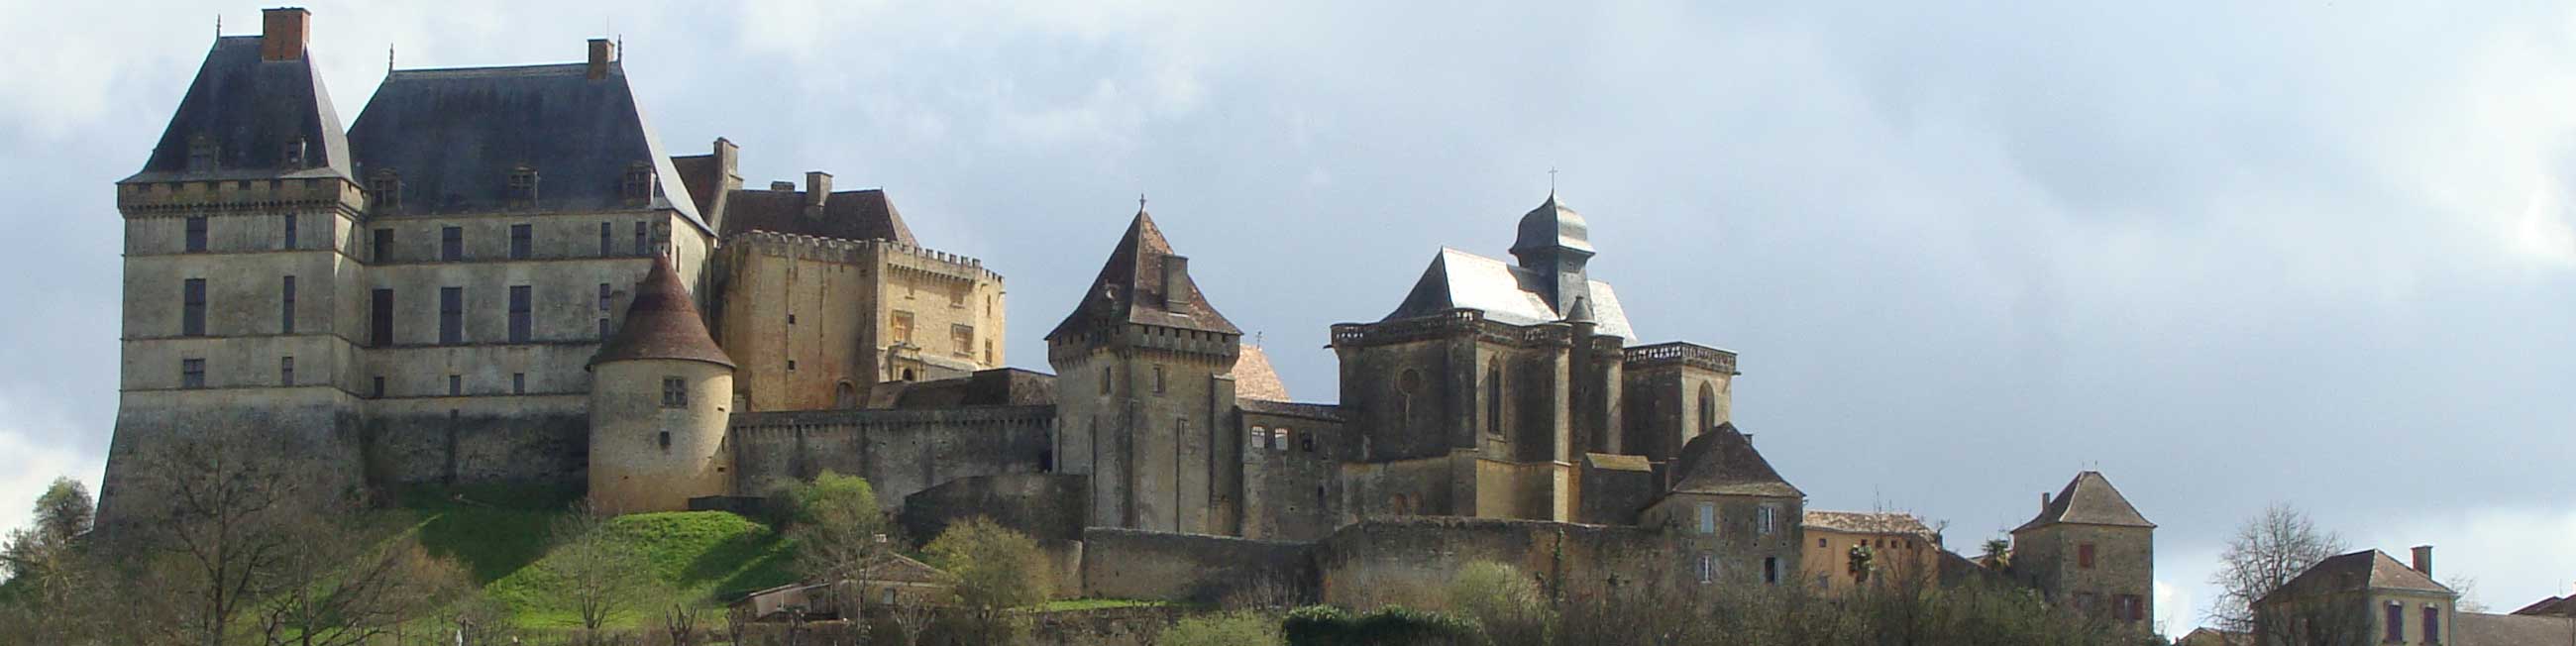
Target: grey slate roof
2482 629
455 135
2089 499
1553 225
2553 606
251 109
1504 292
2363 570
1724 462
1129 289
847 215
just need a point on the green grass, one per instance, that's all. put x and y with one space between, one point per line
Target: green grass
500 536
1062 605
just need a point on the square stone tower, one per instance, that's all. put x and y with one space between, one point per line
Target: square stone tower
2090 550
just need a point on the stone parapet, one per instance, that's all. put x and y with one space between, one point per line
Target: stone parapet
898 255
1681 353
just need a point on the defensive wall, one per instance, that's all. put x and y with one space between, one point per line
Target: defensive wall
900 452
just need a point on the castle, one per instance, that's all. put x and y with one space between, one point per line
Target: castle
499 275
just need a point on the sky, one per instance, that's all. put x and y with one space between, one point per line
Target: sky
2230 254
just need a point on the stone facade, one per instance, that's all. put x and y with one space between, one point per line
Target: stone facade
2089 550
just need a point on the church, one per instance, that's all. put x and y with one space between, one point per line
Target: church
500 275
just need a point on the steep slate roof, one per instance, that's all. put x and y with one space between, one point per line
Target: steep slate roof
2363 570
1504 292
2089 499
662 323
1129 289
1723 461
1255 379
1867 523
251 109
703 175
847 215
455 135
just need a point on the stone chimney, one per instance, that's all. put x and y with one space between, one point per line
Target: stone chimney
1176 282
783 187
283 32
2424 560
818 188
2043 502
602 52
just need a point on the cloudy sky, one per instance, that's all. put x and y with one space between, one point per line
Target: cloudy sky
2227 253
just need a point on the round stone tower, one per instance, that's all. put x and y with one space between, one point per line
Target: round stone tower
660 391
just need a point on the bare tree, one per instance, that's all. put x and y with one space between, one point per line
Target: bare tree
2267 551
602 577
911 617
218 534
347 585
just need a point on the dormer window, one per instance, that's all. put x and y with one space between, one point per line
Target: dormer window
638 185
523 186
201 153
384 191
292 156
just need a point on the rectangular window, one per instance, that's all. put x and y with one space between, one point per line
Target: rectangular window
1254 441
604 294
192 307
2131 607
902 324
1104 380
1707 567
380 319
2432 624
451 244
518 383
2084 556
521 319
455 385
286 306
451 315
286 371
957 297
1708 518
961 340
192 373
2396 628
522 241
675 392
1771 570
603 328
1158 379
383 246
643 238
1762 518
196 234
607 239
379 388
290 232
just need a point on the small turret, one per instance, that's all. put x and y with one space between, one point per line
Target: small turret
1556 242
659 397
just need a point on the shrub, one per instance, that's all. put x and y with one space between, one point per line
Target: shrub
1228 629
1387 626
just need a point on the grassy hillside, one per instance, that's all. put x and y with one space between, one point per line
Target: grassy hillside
704 556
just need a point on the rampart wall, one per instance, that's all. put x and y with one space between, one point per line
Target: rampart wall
900 452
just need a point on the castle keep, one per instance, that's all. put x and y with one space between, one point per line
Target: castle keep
500 275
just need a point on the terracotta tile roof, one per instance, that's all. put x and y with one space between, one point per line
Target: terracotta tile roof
2363 570
1129 289
1723 461
2089 499
1867 523
1255 379
703 175
662 323
847 215
251 110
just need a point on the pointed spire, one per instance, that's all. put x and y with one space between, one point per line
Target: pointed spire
1582 311
1135 286
662 322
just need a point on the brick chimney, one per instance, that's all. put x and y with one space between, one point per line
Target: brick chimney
1176 282
602 53
283 32
2424 560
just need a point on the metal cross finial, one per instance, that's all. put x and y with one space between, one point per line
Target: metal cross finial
1551 181
1140 202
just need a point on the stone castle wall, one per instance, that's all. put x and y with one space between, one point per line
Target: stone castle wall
1133 564
900 452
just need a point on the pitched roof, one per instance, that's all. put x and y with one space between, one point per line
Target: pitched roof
1129 289
2482 629
1866 522
1723 461
2553 606
1255 379
847 215
1618 462
252 110
662 323
456 135
2089 499
1504 292
2363 570
704 177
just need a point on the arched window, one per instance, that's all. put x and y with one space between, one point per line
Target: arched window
845 396
1707 408
1494 398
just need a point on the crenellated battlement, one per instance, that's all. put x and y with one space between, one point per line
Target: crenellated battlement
897 255
1681 353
